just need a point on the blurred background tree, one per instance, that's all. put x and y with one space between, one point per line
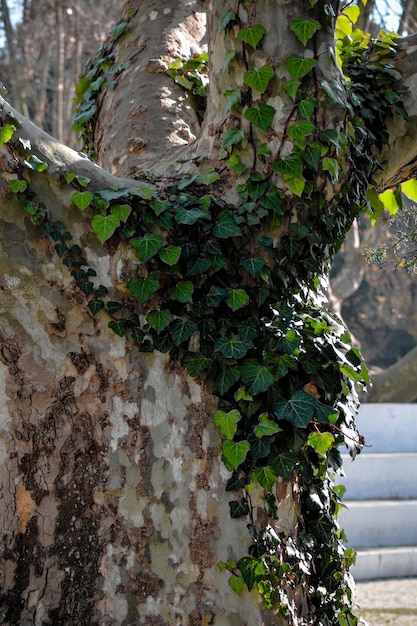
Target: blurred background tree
44 44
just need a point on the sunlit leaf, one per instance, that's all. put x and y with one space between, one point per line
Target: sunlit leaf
234 453
227 422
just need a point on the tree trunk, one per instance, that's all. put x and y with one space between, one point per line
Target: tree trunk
115 509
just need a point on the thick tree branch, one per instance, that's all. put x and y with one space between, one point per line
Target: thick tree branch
29 139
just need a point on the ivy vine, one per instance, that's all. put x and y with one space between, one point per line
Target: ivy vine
250 319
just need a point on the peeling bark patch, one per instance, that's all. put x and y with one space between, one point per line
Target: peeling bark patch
25 506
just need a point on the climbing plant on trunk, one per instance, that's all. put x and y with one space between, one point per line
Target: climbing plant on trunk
199 389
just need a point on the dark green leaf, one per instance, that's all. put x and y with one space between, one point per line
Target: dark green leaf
159 319
226 227
190 216
95 306
226 379
250 570
299 130
261 117
143 287
291 165
112 193
200 266
196 364
260 447
113 307
232 347
147 246
307 107
182 292
170 255
235 482
162 342
215 296
119 327
182 330
299 410
253 266
284 464
236 298
257 376
238 509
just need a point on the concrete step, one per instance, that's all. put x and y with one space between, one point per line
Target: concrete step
383 476
380 523
373 563
388 427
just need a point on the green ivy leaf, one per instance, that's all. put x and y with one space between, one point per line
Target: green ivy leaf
250 569
112 193
284 464
121 211
82 199
261 117
147 246
17 185
227 422
300 130
95 306
298 410
236 298
182 292
234 453
143 191
321 442
226 227
259 78
118 327
265 476
292 165
182 330
200 266
104 226
232 137
215 296
331 166
210 176
307 107
291 87
159 319
238 509
196 364
254 266
325 413
298 66
304 29
260 447
232 347
6 133
257 376
159 206
226 379
296 184
252 35
190 216
170 255
266 427
143 287
236 583
35 164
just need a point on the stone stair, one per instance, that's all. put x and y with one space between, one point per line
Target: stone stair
380 518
